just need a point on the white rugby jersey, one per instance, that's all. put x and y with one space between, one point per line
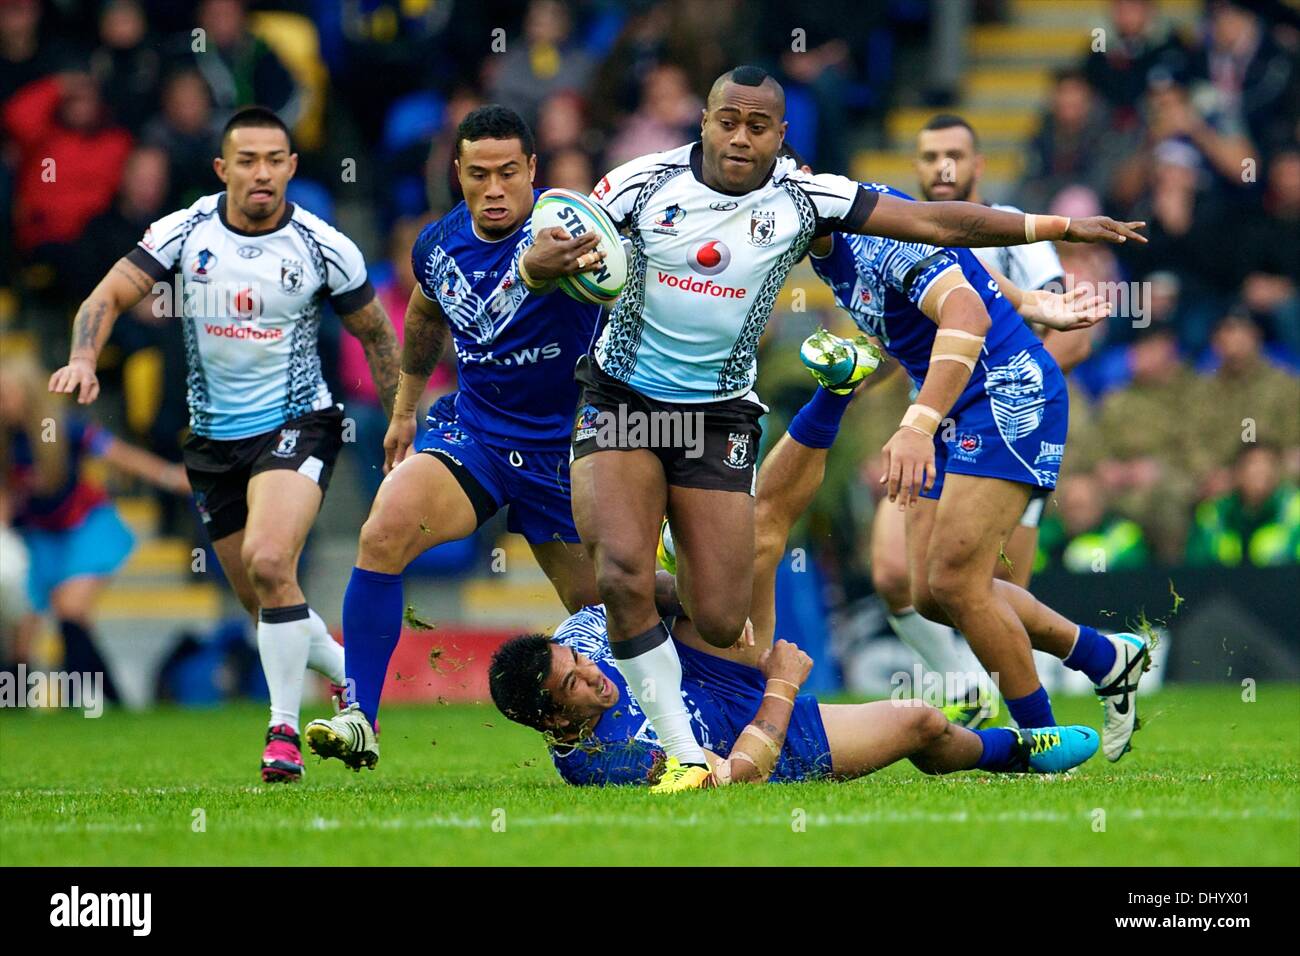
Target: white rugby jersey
1029 267
250 308
706 267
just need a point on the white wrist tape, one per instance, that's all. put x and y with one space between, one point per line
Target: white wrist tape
1045 227
921 418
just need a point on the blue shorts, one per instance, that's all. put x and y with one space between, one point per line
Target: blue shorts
736 692
533 482
96 547
1010 424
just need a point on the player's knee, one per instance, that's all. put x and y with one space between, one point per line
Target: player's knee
949 583
620 578
929 724
269 565
719 627
382 543
893 584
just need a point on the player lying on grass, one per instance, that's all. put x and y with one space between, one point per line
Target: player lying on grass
743 702
984 436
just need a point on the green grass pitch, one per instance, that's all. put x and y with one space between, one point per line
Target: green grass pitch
1212 781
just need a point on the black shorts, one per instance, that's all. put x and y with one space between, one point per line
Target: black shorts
220 470
709 445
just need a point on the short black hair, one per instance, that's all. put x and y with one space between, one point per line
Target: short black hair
255 116
495 121
516 676
748 76
949 121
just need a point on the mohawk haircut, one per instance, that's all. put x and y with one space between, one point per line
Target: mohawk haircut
516 674
949 121
748 76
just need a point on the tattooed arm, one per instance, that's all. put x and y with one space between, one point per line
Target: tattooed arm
371 325
753 756
972 225
426 334
124 286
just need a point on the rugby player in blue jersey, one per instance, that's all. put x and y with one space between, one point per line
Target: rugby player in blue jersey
984 436
502 440
743 703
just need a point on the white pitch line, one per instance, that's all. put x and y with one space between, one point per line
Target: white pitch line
319 824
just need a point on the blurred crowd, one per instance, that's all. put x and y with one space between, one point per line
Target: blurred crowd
1185 440
1186 420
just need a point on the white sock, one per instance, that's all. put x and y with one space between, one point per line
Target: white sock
325 655
935 644
284 641
654 677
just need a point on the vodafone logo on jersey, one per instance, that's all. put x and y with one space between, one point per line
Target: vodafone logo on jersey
709 257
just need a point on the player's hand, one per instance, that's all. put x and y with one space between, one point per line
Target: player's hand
554 253
1066 312
77 376
785 661
175 480
398 441
1103 229
909 466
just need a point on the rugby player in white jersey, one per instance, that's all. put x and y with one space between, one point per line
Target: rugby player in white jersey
245 271
715 227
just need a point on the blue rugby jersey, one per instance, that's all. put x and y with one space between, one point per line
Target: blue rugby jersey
515 349
881 283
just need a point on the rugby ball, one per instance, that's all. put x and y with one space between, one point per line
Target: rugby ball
576 214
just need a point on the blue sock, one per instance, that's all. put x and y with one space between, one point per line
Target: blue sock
817 423
999 744
372 626
1093 654
1032 710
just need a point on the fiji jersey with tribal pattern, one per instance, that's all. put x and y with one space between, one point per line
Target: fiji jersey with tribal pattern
250 307
881 283
706 267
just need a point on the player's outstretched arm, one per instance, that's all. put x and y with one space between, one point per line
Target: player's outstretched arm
753 756
972 225
426 333
124 286
371 325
